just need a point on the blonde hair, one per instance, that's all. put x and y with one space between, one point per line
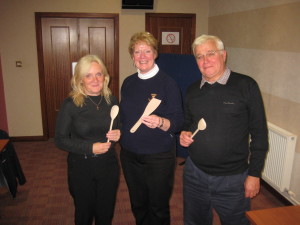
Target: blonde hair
141 37
81 69
204 38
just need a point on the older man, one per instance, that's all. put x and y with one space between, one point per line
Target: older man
223 169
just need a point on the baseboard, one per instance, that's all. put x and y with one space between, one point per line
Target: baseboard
281 198
29 138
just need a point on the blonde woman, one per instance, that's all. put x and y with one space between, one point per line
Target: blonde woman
83 130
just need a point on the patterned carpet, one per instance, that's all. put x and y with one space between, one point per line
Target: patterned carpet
45 199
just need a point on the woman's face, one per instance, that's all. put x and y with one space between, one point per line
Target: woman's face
93 81
143 57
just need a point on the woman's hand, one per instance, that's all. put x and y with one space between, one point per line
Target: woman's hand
185 138
151 121
154 121
113 135
100 148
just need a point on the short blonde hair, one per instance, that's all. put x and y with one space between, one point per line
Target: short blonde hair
204 38
81 69
141 37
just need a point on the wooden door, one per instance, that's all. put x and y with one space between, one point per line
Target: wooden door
63 39
97 37
59 41
3 115
180 26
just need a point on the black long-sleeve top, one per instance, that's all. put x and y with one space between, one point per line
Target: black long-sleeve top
135 95
77 128
232 112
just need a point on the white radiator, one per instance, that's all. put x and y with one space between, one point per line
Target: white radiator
279 162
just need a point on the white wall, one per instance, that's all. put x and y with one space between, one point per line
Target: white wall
262 40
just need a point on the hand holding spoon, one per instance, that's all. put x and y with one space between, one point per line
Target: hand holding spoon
152 105
113 114
201 126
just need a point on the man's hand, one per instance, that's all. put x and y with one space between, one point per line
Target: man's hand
252 186
185 138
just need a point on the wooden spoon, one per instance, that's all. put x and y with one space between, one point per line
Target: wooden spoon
113 114
201 126
152 105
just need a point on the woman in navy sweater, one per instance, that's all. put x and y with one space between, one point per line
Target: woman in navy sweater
148 154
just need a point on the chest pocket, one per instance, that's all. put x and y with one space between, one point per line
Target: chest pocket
233 107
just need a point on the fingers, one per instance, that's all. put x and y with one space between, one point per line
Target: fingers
251 193
252 186
185 138
113 135
152 121
100 148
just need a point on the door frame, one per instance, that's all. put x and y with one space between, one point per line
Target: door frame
38 23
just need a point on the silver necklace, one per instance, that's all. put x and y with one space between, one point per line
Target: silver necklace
97 105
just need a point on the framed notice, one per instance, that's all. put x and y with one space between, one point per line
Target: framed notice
170 38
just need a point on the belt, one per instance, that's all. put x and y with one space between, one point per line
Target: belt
91 156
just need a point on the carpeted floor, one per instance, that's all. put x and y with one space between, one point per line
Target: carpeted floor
45 200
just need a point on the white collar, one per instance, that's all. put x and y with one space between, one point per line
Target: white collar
149 74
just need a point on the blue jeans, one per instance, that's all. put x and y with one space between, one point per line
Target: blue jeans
203 192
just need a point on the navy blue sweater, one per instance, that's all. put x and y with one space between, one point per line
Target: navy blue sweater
135 95
232 112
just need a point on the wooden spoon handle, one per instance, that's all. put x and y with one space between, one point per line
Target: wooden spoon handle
136 126
111 123
110 127
195 133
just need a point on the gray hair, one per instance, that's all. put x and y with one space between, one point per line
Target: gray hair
204 38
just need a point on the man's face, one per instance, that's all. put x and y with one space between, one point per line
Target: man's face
210 60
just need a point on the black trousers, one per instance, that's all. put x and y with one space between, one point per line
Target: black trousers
93 183
150 180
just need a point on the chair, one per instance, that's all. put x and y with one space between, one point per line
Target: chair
10 166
